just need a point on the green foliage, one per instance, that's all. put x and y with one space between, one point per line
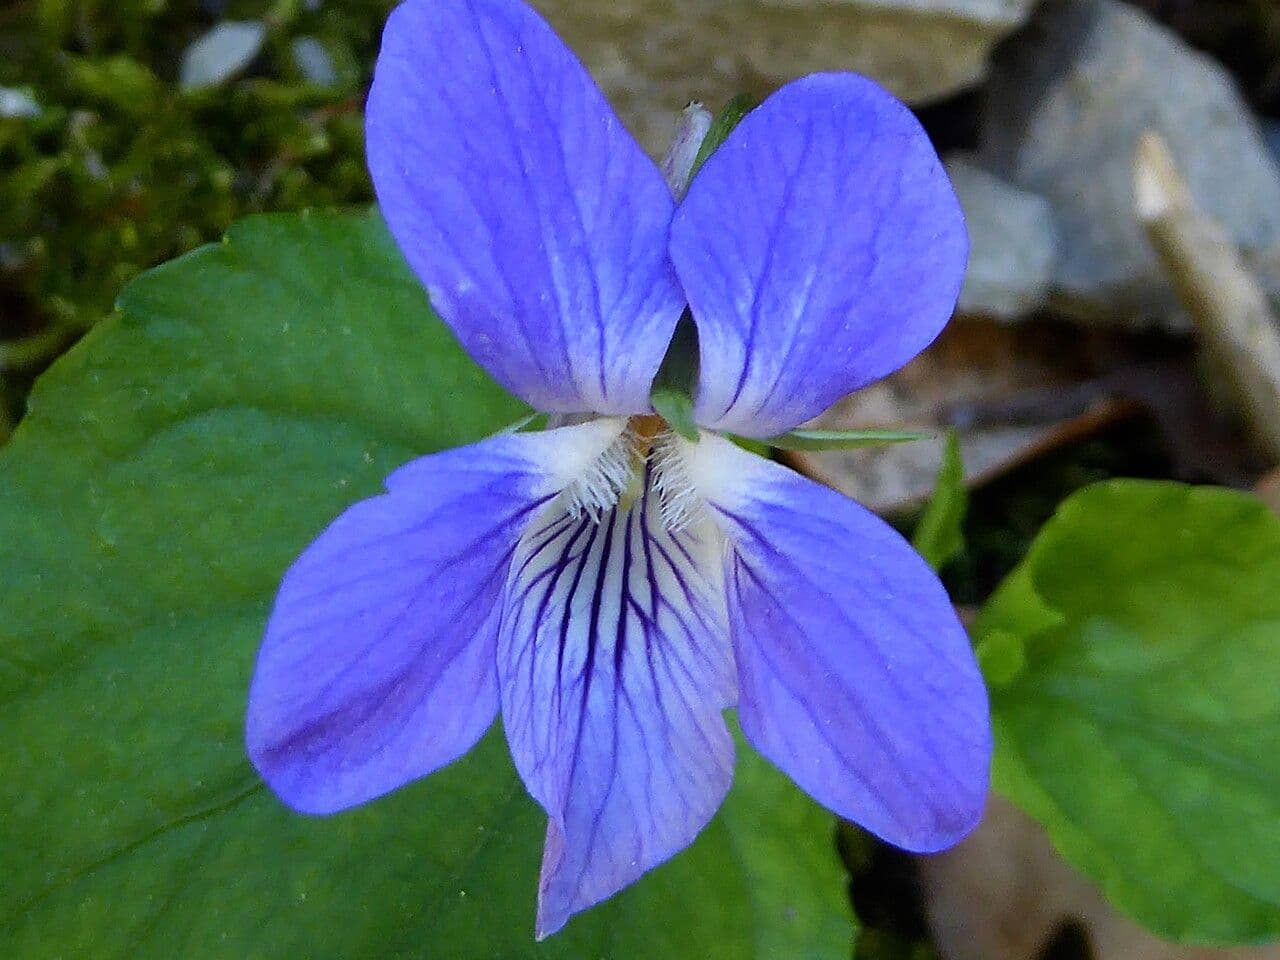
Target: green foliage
939 535
171 466
1134 659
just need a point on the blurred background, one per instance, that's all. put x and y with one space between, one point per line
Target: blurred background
1117 163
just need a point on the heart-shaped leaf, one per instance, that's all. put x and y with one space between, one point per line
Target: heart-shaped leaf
171 467
1135 661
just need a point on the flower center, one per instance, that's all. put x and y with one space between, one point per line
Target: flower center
646 456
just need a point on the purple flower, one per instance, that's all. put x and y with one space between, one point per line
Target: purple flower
609 586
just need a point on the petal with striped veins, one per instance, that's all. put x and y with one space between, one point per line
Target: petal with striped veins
855 675
614 667
378 663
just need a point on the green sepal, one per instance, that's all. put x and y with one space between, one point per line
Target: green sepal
728 118
939 535
523 423
841 439
675 407
677 379
759 447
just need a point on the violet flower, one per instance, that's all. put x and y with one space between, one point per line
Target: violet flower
610 586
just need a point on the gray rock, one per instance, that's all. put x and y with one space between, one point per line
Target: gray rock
314 61
919 49
654 56
1264 264
1271 133
1068 99
18 103
221 53
1013 244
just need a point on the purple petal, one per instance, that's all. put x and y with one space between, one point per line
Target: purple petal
821 247
614 665
855 675
536 222
378 663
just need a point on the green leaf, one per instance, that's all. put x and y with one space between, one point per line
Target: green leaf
172 465
840 439
939 535
1137 708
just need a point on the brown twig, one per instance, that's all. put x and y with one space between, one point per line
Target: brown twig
1232 315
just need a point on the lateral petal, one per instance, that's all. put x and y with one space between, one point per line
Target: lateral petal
821 247
614 667
855 675
536 222
378 663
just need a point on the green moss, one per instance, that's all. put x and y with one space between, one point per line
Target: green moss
121 169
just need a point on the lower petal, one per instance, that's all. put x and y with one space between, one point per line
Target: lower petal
855 675
614 668
378 663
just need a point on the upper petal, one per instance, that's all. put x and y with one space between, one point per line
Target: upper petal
821 247
535 221
855 675
615 666
378 662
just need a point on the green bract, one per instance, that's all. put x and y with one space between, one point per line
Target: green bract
171 467
1135 661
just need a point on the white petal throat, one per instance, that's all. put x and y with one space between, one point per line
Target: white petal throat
640 463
